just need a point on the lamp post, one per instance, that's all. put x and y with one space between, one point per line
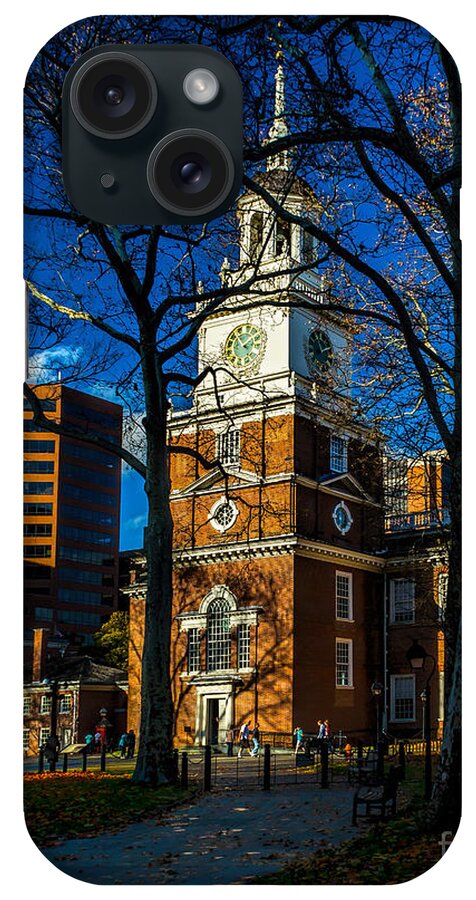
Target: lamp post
62 645
417 656
376 690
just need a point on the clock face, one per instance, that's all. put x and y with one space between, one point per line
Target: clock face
244 345
320 350
342 518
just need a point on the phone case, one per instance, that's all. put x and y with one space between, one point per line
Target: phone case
242 475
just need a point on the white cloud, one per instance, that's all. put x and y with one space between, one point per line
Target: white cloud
46 365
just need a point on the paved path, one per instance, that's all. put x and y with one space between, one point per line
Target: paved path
221 838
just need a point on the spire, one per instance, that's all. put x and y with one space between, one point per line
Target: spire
279 128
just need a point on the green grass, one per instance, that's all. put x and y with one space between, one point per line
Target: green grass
58 806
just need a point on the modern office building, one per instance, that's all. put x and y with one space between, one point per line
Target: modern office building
72 493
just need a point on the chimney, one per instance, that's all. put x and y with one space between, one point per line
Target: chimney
40 644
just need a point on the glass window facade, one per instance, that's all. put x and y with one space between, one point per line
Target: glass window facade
78 554
38 488
37 529
90 598
42 613
86 536
38 466
46 404
74 492
95 416
38 446
100 457
88 515
82 473
81 575
37 551
37 509
79 618
30 425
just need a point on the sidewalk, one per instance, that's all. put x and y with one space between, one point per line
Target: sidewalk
221 838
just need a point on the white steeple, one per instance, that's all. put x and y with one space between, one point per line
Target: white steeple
279 128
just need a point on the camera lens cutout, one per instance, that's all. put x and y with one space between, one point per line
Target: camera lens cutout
113 95
190 172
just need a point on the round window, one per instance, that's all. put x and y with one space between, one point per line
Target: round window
342 518
223 514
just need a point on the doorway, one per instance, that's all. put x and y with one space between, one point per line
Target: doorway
216 726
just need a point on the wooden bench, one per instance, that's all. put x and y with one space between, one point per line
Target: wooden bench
378 801
364 771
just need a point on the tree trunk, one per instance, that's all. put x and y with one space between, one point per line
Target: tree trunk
155 758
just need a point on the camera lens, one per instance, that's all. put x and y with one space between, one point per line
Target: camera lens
113 95
190 172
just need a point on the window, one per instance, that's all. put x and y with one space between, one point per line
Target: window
88 496
218 636
85 535
343 663
228 447
442 593
82 473
38 466
44 735
68 595
26 739
37 551
65 704
43 613
402 698
79 618
308 249
26 706
402 600
343 596
193 650
91 415
338 454
283 238
88 515
395 486
223 514
256 234
46 405
35 572
243 640
441 696
101 457
37 509
38 487
38 446
81 575
30 425
78 554
36 529
45 704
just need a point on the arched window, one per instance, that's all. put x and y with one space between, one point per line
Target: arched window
218 635
283 238
256 234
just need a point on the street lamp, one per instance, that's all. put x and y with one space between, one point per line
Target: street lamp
376 690
417 656
62 645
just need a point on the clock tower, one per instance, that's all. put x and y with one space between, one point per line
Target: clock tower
276 572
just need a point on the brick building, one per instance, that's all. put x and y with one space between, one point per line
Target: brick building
71 508
282 560
88 694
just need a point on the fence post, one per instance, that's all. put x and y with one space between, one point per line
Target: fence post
41 760
380 758
176 765
65 762
207 773
85 759
324 765
267 767
184 772
103 759
401 758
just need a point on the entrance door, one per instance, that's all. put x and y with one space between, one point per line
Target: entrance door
213 713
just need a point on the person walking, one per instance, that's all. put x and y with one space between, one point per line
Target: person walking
244 739
89 741
123 744
255 739
230 736
299 737
97 741
131 743
321 733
